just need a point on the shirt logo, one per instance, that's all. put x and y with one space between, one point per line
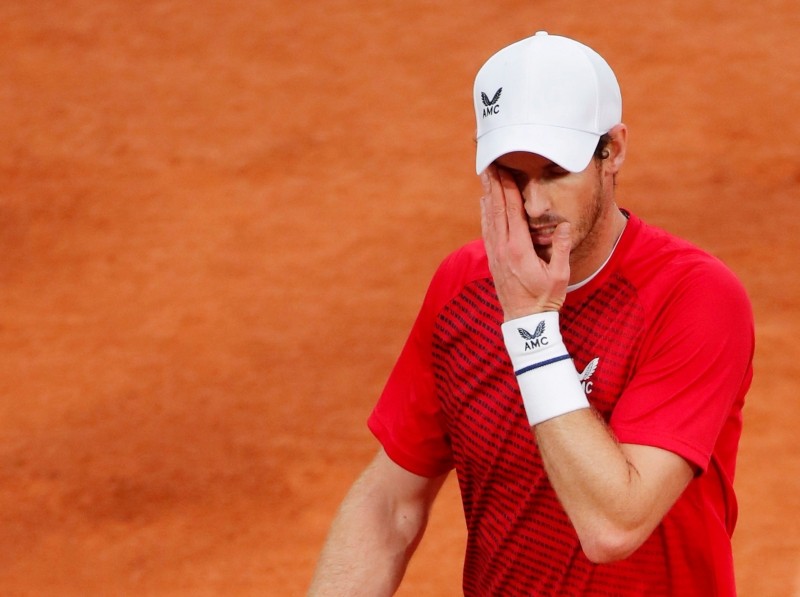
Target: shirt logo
585 376
535 340
491 105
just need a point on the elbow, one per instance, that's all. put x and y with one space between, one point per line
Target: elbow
410 526
611 544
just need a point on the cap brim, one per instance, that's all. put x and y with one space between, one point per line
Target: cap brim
570 149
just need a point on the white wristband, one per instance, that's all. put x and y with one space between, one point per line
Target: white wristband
549 384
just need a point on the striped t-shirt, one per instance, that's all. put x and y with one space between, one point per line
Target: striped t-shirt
663 341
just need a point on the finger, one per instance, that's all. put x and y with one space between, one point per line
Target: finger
486 183
516 218
562 245
486 226
485 204
493 210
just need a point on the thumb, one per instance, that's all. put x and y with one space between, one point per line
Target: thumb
562 245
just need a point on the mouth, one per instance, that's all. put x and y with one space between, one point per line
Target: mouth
542 235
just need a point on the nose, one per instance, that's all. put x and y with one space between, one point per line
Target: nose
536 198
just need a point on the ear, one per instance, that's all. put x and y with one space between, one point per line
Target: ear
617 148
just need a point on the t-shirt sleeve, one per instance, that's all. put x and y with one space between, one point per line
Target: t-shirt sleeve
694 367
407 419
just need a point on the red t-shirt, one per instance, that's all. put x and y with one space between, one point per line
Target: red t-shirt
663 338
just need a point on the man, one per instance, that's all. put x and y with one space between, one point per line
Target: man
583 372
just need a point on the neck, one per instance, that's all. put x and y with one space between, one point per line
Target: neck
606 233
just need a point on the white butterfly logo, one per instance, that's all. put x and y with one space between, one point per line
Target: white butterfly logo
590 368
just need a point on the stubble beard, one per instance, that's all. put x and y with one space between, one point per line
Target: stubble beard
585 240
584 228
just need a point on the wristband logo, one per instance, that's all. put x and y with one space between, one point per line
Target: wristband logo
535 340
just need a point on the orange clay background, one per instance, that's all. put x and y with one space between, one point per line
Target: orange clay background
218 220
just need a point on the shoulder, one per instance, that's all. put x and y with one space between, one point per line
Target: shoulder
461 267
468 260
686 292
663 266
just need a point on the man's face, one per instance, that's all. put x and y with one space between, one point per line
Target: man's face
552 195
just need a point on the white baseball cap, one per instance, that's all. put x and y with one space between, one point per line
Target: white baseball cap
548 95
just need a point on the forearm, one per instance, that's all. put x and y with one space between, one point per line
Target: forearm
598 486
364 554
588 469
614 494
375 532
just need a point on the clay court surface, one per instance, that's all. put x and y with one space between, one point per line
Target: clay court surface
217 222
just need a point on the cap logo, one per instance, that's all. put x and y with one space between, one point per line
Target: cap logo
490 105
